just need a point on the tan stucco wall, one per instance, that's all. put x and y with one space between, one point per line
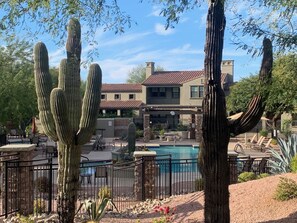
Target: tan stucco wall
185 93
124 96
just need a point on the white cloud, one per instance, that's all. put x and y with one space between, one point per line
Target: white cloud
185 49
160 30
156 10
55 57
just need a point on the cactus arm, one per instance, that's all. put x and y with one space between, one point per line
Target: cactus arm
257 105
59 110
43 85
91 104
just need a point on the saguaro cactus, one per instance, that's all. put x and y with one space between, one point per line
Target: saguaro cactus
131 137
216 129
64 116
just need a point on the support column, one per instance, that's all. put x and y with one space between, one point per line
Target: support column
19 179
119 113
146 128
198 135
145 172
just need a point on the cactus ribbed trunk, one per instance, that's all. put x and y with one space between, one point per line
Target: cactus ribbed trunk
213 157
64 116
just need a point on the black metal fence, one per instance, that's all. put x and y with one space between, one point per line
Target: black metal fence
170 177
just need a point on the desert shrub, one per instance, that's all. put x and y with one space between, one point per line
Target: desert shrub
139 133
263 175
39 206
42 184
264 133
280 162
286 189
293 164
246 176
104 192
24 219
274 142
199 184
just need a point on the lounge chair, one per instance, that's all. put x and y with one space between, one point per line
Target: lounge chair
99 143
259 143
262 147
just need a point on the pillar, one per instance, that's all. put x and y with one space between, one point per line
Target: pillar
119 113
20 180
198 136
146 128
145 172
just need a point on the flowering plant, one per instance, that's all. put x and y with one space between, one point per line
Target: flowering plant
166 212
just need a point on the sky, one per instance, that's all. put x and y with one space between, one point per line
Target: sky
181 48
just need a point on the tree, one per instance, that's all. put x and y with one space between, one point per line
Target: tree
138 74
216 129
17 91
52 17
283 90
269 18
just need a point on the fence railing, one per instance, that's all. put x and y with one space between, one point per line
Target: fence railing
168 177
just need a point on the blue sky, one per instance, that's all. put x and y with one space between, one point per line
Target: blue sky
181 48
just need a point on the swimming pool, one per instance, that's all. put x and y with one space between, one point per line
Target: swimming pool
184 158
177 152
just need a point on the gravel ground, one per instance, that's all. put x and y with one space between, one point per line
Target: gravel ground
250 202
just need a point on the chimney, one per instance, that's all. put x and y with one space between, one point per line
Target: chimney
227 66
150 69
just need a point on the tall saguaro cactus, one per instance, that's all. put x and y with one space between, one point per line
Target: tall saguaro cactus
216 129
65 117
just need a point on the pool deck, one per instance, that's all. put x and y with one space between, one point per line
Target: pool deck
114 144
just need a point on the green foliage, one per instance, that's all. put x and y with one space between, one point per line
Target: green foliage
241 93
181 127
246 176
293 164
286 189
25 219
18 102
138 74
139 133
96 209
264 133
280 162
42 184
263 175
39 206
131 137
162 132
199 184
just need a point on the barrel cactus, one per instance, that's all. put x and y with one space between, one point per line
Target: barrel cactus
65 117
131 137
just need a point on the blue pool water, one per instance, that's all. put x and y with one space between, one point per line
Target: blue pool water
177 152
184 158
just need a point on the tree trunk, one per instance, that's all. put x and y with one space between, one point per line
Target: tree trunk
214 124
68 181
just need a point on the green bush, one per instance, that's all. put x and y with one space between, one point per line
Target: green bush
264 133
42 184
263 175
199 184
139 133
293 164
286 189
246 176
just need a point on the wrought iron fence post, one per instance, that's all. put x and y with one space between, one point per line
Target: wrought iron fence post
170 176
6 189
112 179
50 177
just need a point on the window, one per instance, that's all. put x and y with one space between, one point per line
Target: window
103 96
194 91
162 92
117 97
175 92
197 91
201 91
131 96
158 92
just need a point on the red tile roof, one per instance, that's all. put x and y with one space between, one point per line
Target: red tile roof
172 77
131 104
121 88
